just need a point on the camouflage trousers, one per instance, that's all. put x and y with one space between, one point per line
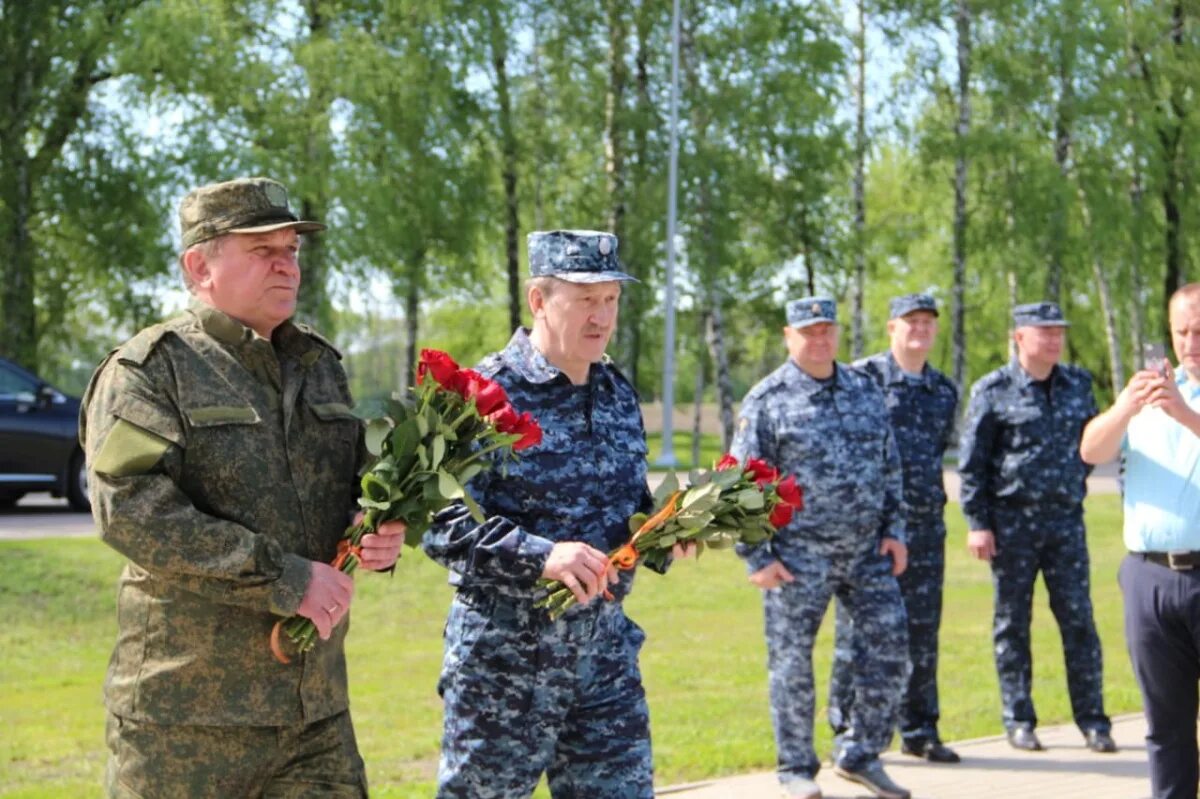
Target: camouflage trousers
526 696
921 587
165 761
865 586
1054 542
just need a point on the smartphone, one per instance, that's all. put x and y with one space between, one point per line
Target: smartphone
1154 357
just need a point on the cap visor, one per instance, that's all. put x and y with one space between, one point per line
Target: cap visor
1057 323
594 277
298 226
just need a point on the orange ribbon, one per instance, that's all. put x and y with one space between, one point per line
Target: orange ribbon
344 550
626 556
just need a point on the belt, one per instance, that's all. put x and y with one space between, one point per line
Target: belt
1179 561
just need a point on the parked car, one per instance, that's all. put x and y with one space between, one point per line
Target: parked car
39 440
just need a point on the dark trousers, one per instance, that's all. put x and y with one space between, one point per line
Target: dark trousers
1029 541
1162 630
921 587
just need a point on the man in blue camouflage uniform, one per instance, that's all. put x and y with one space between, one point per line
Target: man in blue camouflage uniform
1023 485
828 425
921 403
525 695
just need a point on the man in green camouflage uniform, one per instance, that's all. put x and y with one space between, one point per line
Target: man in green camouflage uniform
223 458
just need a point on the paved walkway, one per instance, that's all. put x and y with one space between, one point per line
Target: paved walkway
990 768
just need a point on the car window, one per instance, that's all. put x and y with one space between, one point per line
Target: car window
13 383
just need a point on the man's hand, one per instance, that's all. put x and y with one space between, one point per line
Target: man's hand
898 553
1163 392
982 544
327 598
772 576
1138 391
584 569
381 549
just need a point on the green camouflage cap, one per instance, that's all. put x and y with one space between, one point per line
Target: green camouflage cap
245 205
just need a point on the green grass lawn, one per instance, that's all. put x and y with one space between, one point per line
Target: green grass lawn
704 663
710 449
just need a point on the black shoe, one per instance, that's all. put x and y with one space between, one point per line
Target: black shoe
871 776
932 750
1023 738
1100 741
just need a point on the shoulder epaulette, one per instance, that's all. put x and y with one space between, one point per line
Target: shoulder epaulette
138 349
317 337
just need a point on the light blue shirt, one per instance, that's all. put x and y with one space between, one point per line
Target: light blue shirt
1162 480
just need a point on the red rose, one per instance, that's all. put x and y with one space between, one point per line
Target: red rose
436 363
727 462
489 395
530 430
781 514
790 493
762 472
504 418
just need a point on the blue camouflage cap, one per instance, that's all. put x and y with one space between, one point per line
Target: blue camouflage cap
1039 314
907 303
577 256
811 310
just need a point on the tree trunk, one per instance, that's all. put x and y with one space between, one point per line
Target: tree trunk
634 302
614 132
540 112
809 251
1063 118
724 384
860 206
18 318
415 268
698 390
614 116
1137 297
27 116
963 28
313 305
1137 205
508 154
1104 289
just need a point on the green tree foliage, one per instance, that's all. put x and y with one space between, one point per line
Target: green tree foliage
434 135
77 223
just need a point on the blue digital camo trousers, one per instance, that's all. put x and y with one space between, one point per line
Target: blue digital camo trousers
865 586
1029 540
524 695
921 587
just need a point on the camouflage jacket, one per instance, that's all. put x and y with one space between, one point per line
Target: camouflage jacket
922 417
220 464
836 439
581 483
1019 446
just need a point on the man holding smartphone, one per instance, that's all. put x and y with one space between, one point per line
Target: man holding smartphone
1155 425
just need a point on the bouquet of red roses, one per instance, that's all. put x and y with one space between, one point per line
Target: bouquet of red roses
426 446
720 507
